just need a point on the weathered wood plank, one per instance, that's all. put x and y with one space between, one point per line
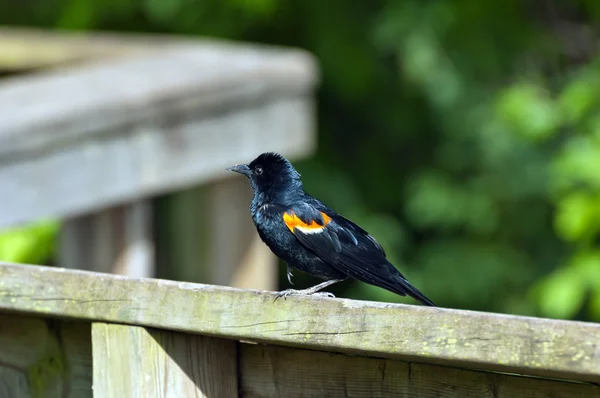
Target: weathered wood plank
131 361
117 240
76 338
44 358
270 372
212 225
93 99
513 344
109 133
149 160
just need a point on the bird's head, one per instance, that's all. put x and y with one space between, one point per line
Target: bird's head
271 176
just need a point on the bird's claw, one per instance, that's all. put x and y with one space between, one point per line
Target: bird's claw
289 275
306 292
283 293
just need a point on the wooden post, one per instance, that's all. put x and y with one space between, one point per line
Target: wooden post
44 358
132 361
118 240
216 241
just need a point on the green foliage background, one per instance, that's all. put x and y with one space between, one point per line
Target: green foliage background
464 135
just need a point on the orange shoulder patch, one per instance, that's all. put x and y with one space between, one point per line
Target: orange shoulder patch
292 221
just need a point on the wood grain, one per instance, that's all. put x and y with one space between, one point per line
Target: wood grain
118 240
273 372
131 361
533 346
44 358
212 225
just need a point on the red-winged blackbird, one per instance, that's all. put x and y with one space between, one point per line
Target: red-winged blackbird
311 237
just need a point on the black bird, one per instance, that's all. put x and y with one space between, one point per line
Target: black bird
311 237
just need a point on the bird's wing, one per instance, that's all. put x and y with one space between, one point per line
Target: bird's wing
340 243
355 229
346 247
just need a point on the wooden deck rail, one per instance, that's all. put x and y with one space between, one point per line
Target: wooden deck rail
63 332
110 121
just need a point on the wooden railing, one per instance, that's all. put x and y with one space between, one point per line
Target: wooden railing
66 333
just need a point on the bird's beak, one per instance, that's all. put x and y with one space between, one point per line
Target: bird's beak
241 168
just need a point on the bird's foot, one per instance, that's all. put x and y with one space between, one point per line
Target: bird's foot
289 274
311 291
304 292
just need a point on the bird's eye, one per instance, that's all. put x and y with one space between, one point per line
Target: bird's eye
258 171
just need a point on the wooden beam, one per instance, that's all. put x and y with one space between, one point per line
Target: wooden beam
44 358
132 361
269 371
203 76
533 346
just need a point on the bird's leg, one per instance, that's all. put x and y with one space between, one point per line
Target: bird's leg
310 291
289 274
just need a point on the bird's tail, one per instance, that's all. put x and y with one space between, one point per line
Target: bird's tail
401 286
413 292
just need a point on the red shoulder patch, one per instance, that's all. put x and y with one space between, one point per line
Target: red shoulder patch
292 221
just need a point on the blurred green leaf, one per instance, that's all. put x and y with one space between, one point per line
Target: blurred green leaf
164 12
577 99
595 305
435 201
561 295
587 266
78 14
529 110
578 215
578 164
32 244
